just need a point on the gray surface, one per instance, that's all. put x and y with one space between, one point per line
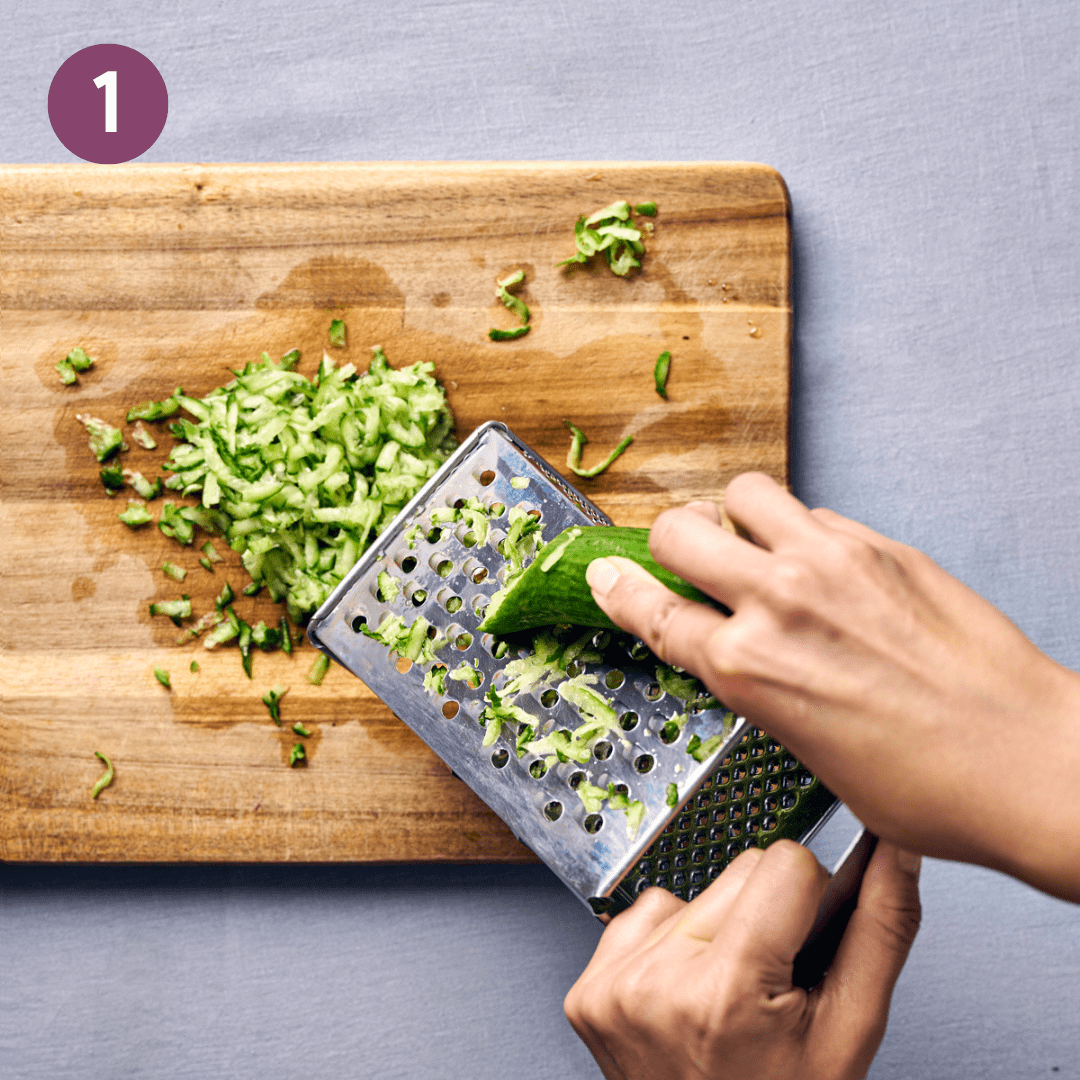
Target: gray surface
931 150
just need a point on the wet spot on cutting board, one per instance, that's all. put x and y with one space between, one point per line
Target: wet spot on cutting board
331 281
82 588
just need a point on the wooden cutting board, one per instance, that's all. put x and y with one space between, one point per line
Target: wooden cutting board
170 275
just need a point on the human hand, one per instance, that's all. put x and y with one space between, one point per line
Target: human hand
689 991
919 704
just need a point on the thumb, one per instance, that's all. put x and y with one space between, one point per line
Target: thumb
853 1001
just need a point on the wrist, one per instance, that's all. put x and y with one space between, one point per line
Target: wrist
1038 834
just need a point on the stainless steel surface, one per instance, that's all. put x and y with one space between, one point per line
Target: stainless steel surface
591 861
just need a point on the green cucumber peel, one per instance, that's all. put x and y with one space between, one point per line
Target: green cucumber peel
560 595
577 440
508 335
106 777
661 371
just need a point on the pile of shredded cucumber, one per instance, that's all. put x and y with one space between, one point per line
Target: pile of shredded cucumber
298 474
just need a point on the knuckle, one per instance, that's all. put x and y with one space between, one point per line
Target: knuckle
660 622
733 648
899 924
790 585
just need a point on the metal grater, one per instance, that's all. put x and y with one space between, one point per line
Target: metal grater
750 792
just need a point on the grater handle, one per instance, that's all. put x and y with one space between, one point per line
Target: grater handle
839 902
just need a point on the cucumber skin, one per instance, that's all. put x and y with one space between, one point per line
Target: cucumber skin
562 595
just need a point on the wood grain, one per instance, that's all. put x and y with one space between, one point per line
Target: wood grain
170 275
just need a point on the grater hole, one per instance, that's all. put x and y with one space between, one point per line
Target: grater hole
450 709
576 779
622 789
408 564
628 721
452 603
434 534
474 570
602 640
496 509
418 597
500 758
479 604
358 623
534 514
614 679
574 668
639 650
468 538
463 641
553 811
652 692
549 698
670 732
537 769
602 750
441 565
486 477
643 763
498 647
593 823
403 664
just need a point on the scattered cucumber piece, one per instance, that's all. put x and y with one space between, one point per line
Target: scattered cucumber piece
660 372
577 440
319 669
106 777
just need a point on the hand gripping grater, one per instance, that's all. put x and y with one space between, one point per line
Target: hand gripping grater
749 792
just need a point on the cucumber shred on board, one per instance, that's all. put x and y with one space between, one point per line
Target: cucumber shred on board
300 475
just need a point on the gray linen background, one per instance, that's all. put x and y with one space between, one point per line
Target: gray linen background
932 151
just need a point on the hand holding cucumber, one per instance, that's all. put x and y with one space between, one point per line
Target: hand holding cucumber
910 696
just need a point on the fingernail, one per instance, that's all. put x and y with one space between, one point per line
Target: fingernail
909 862
601 575
705 509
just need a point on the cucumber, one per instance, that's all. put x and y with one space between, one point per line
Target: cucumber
553 588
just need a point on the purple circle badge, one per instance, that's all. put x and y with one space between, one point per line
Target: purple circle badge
108 104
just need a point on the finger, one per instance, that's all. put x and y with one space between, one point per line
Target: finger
859 985
708 510
576 1011
770 514
700 550
702 918
770 918
676 629
634 928
832 520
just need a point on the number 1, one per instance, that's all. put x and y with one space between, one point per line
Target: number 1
108 80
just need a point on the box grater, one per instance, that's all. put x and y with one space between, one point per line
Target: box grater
749 792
